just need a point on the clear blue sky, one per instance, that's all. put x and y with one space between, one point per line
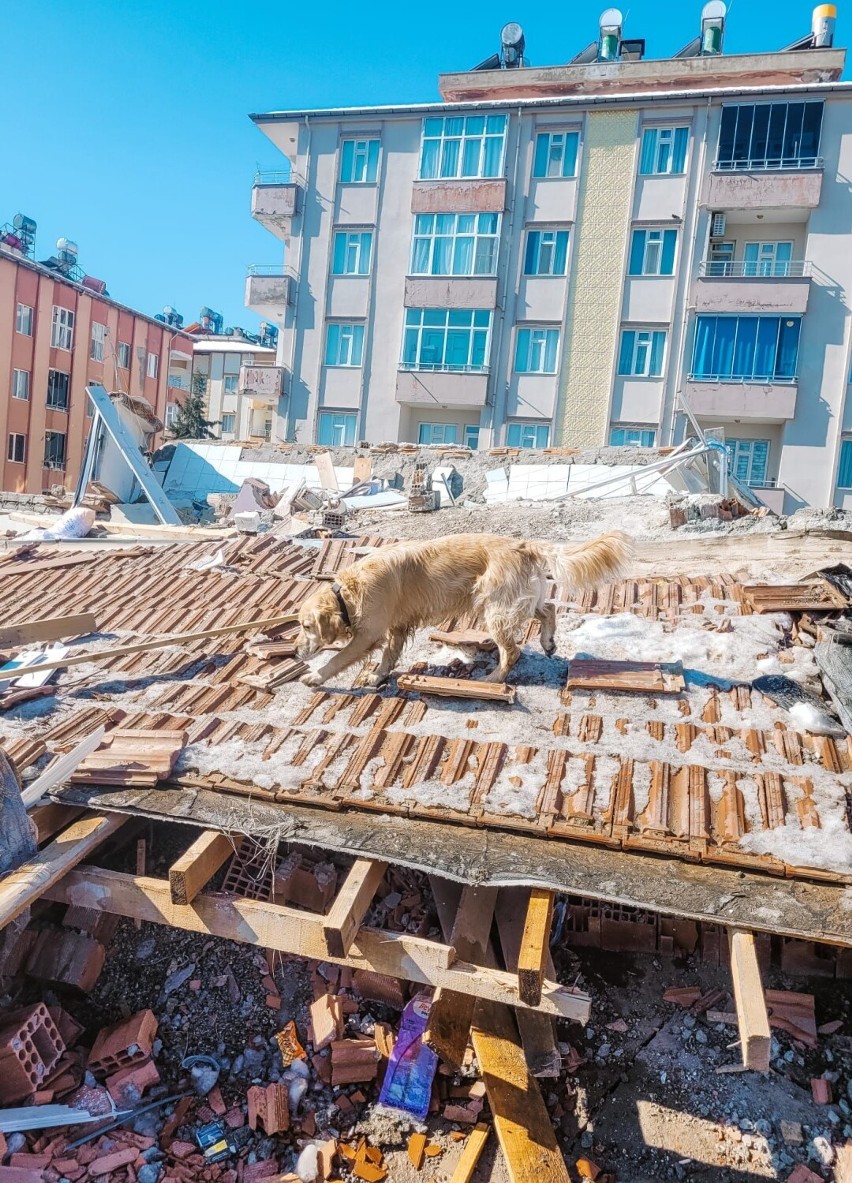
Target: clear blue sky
126 121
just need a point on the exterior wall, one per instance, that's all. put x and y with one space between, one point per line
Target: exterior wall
39 288
224 358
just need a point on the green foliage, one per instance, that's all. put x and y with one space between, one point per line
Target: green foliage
189 422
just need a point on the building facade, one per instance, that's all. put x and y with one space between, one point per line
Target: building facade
242 384
577 255
56 336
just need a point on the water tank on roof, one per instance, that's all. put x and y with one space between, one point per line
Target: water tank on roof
822 25
610 35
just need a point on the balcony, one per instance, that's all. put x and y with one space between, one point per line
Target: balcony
269 290
740 187
451 291
457 388
262 383
740 286
771 401
485 196
276 199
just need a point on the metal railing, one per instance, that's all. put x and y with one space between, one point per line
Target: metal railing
440 368
743 379
284 176
754 269
274 270
767 164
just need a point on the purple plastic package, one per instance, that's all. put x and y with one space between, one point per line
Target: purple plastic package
412 1065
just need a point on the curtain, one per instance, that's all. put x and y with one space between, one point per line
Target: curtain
364 253
458 347
409 348
669 245
702 353
493 156
844 476
625 357
339 264
463 255
551 348
429 159
420 260
372 161
767 347
744 350
649 150
442 256
513 435
637 252
531 254
522 351
470 158
658 348
542 154
332 344
681 141
450 158
788 349
560 265
346 173
357 353
569 159
723 347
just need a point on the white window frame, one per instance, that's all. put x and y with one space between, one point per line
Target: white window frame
463 136
745 448
58 406
528 434
767 262
346 420
171 411
556 151
437 433
538 339
124 355
152 366
361 165
62 328
451 324
665 140
449 229
545 250
21 385
232 416
24 320
234 380
358 243
632 429
642 352
471 436
98 345
61 466
350 345
14 438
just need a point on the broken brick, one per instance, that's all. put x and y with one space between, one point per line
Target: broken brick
416 1149
821 1091
181 1149
111 1162
128 1084
326 1021
379 988
800 1174
68 959
124 1043
587 1169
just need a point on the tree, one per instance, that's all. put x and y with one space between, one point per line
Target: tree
189 422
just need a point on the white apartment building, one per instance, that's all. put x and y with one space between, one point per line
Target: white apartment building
242 385
577 255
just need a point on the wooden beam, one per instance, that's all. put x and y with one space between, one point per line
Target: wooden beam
752 1016
350 905
52 629
535 944
95 655
51 818
536 1029
455 687
448 1027
197 866
473 1148
288 930
34 878
524 1127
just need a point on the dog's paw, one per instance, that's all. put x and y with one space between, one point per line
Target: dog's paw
311 678
374 679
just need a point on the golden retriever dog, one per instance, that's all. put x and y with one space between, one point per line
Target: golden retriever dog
502 582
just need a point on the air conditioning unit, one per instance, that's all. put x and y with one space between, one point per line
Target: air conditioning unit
718 222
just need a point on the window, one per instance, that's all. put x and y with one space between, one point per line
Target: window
62 328
528 435
54 449
471 436
344 344
462 146
229 423
767 258
455 244
57 389
747 460
844 476
352 251
546 253
536 351
556 154
96 352
663 150
641 354
636 437
336 429
171 411
21 384
652 252
124 355
446 338
770 135
721 261
745 348
153 365
17 451
437 433
230 383
359 162
24 320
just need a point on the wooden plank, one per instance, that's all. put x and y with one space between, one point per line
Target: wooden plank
524 1127
472 637
536 1030
327 475
752 1015
535 943
197 866
820 596
161 643
470 1155
643 676
456 687
34 878
362 469
289 930
52 629
350 905
37 566
448 1028
62 767
51 818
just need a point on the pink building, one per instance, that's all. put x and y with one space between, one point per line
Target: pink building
57 335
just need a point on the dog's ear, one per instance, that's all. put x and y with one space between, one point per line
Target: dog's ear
330 623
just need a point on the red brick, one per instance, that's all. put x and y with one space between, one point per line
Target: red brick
128 1084
20 1175
111 1049
64 1165
235 1118
821 1090
111 1162
379 988
29 1160
181 1149
30 1047
214 1100
260 1170
67 958
800 1174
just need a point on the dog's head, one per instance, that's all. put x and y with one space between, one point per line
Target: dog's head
320 623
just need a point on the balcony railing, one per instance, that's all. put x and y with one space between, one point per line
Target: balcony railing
439 368
276 270
283 176
767 164
754 269
742 379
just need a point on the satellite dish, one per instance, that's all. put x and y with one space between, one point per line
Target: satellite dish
611 18
714 10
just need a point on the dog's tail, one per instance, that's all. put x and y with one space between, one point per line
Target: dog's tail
576 568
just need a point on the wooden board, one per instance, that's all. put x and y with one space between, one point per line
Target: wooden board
752 1015
535 945
51 629
51 818
325 468
473 1148
362 469
536 1030
819 596
36 566
350 905
457 687
289 930
646 677
471 637
197 866
524 1127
